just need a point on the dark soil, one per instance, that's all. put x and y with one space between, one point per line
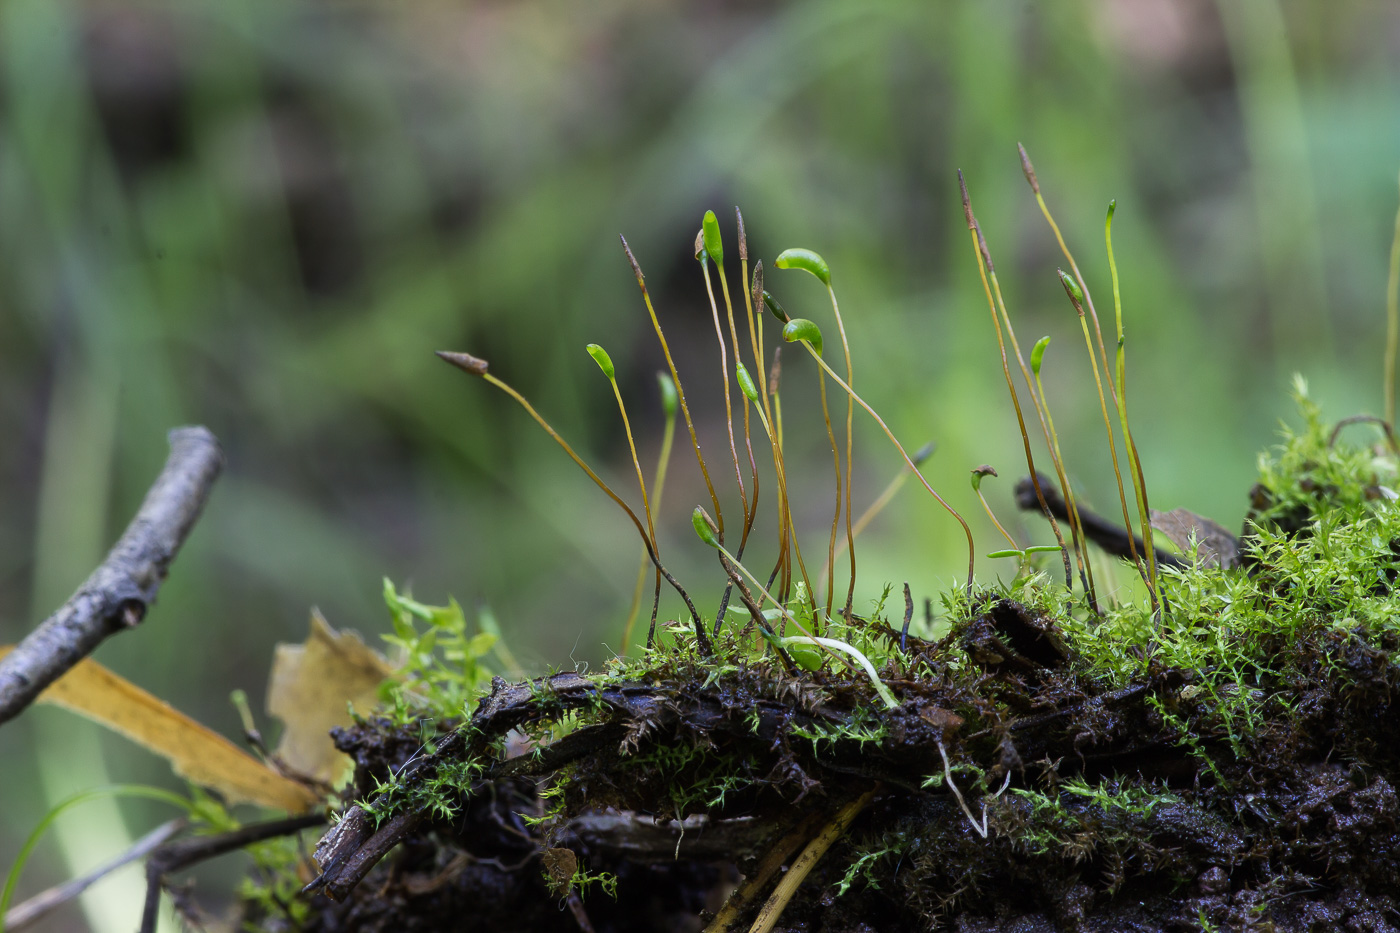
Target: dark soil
1293 827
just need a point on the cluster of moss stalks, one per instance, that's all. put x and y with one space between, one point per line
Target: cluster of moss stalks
1217 752
1230 768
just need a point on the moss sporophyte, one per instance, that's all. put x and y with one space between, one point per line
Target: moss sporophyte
1115 741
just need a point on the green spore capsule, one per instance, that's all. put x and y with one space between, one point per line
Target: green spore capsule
709 231
746 382
1009 553
772 305
1043 549
600 356
799 328
1038 354
700 520
1071 287
806 260
669 398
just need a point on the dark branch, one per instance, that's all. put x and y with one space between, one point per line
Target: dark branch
116 595
1108 536
180 855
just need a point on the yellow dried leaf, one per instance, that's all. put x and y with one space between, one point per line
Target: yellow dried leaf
197 753
309 690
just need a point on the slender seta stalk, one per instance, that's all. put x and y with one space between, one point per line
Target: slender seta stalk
978 473
676 378
663 460
476 366
983 256
1392 322
1134 464
1088 302
885 497
1076 524
709 246
1076 298
750 390
805 331
605 363
810 262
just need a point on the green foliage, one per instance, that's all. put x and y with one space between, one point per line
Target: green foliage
442 665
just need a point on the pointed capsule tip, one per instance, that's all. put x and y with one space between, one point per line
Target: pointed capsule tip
464 361
967 202
1028 168
632 260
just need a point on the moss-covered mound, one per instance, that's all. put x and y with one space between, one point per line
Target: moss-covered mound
1229 765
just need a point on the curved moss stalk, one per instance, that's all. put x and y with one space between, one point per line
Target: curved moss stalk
676 378
1088 300
1392 322
985 267
885 692
804 332
663 461
1076 523
811 262
476 366
1134 464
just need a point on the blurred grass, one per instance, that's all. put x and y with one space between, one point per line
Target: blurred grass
264 217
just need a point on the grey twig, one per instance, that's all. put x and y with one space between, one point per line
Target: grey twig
117 593
21 916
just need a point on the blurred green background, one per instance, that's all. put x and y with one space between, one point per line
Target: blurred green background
264 216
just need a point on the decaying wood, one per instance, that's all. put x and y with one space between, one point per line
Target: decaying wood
115 597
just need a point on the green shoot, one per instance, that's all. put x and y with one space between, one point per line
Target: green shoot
1392 322
985 268
885 692
809 261
805 331
476 366
113 790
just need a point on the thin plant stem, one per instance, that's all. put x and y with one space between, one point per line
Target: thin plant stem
983 256
836 516
1392 318
675 376
1086 566
1088 303
1134 464
886 496
971 548
663 461
728 419
977 488
724 372
477 367
1108 427
850 416
782 491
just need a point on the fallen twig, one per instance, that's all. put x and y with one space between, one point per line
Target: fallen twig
38 906
116 595
187 852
